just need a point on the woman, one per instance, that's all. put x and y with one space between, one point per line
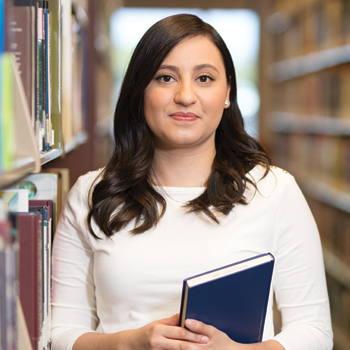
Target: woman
186 191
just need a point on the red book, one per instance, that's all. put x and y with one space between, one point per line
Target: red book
28 225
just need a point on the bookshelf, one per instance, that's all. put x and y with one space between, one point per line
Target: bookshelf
309 127
74 22
26 155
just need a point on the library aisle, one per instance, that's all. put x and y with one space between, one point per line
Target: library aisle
309 123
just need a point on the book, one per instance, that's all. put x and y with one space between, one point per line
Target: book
67 71
44 212
8 279
30 271
7 137
63 187
23 46
232 298
56 71
44 73
40 80
47 30
2 49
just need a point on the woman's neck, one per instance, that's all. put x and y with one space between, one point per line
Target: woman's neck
182 168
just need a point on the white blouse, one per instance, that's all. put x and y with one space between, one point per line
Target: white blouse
127 281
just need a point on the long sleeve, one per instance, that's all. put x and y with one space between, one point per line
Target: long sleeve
299 281
118 283
73 296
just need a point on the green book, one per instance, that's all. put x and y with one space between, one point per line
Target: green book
7 113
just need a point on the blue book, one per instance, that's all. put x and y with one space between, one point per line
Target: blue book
232 298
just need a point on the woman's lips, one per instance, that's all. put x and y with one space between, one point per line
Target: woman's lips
186 117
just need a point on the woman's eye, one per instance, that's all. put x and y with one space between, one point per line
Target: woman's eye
205 78
165 78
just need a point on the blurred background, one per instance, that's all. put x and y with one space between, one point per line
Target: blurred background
292 60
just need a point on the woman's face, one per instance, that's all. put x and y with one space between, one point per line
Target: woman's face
184 102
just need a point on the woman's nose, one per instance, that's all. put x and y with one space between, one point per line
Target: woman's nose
185 94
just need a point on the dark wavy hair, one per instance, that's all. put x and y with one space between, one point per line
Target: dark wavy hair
125 191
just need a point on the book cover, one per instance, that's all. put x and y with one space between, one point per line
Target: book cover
7 279
2 49
7 137
47 207
40 80
67 71
63 187
47 54
28 225
23 46
232 298
42 213
56 70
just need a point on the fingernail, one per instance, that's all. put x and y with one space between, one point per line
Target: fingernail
205 339
189 323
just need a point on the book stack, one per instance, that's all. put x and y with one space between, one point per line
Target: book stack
28 216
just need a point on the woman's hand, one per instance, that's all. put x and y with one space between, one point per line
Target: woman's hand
217 340
165 334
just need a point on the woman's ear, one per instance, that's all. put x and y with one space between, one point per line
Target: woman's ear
227 100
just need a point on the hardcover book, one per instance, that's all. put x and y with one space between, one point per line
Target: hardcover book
232 298
30 272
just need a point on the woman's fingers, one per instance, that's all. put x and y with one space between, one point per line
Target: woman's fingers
179 333
217 339
199 327
165 334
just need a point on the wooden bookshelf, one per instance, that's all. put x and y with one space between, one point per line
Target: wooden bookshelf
326 193
26 157
309 124
285 122
310 63
336 268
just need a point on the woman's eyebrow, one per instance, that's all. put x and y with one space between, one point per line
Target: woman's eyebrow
170 67
206 65
196 68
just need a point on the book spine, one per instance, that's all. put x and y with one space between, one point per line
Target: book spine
7 112
8 286
40 80
47 76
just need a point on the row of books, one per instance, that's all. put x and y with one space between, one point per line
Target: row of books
28 214
315 25
334 228
323 93
46 41
339 298
26 28
322 157
310 130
